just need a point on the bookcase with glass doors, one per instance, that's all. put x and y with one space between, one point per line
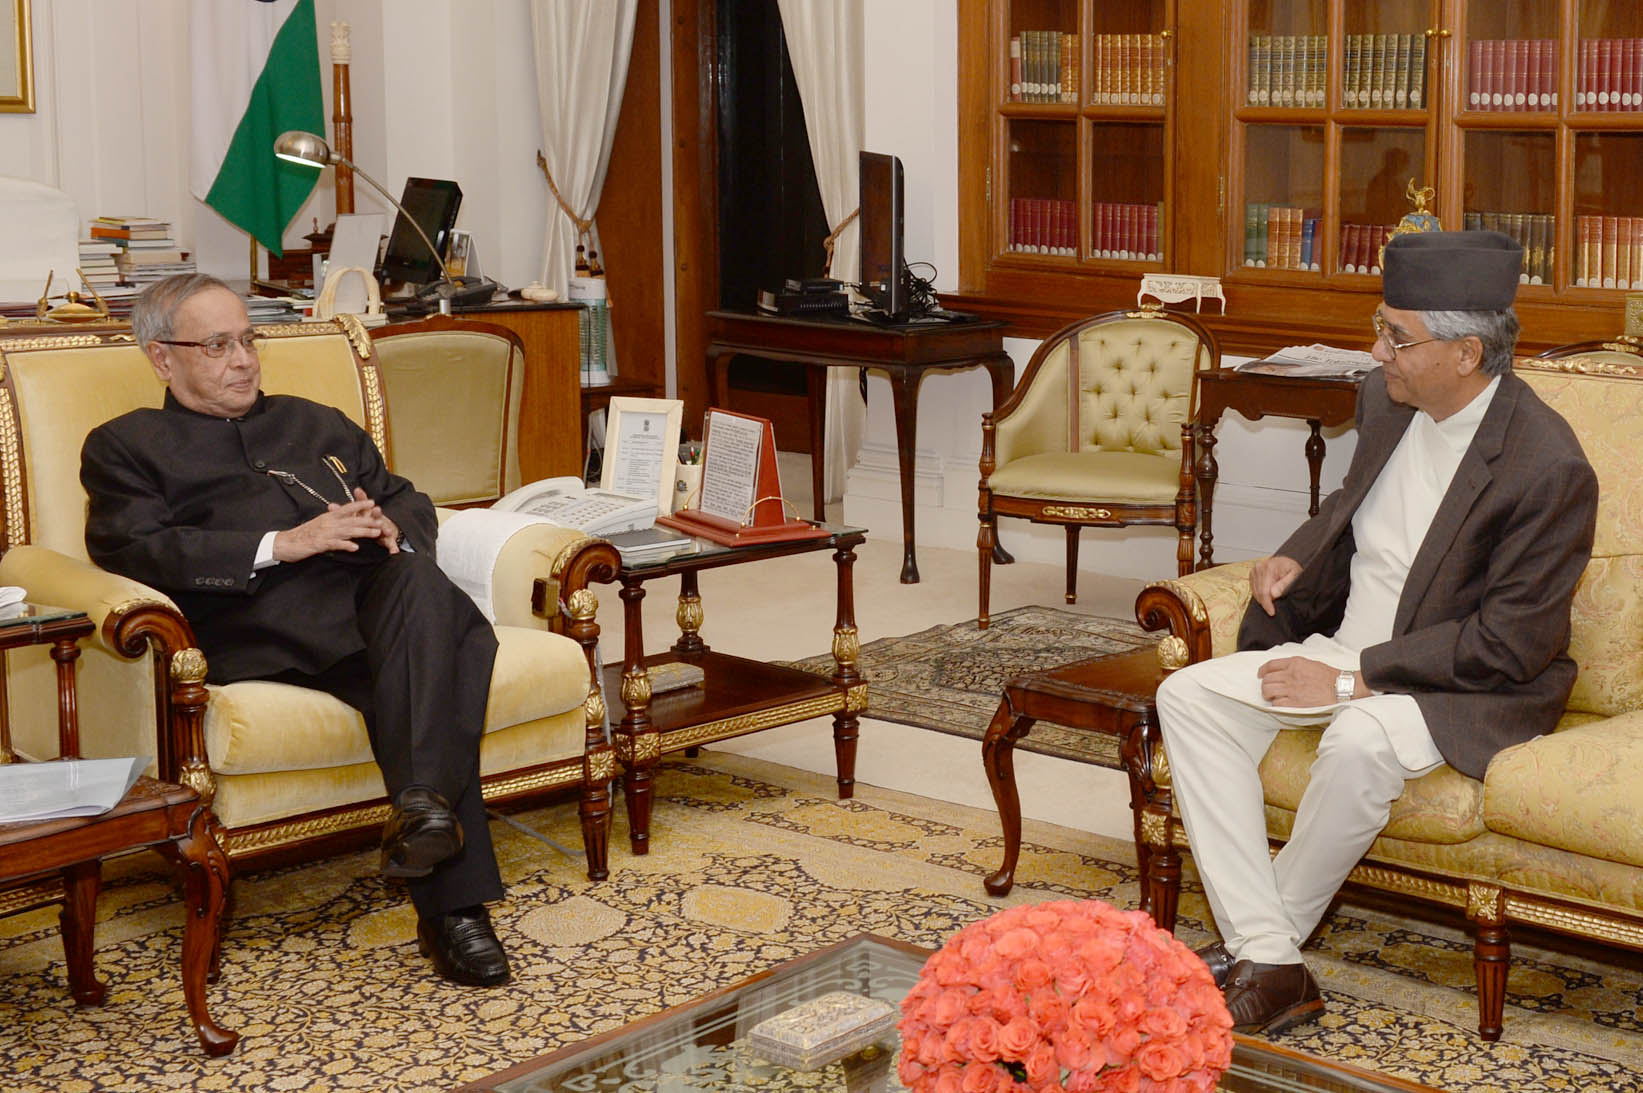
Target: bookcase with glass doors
1275 143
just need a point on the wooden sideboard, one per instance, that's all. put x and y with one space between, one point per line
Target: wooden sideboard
550 431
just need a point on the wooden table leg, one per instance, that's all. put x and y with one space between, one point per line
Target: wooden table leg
1207 471
998 758
846 652
1314 461
815 382
205 882
638 745
65 651
904 385
689 616
81 883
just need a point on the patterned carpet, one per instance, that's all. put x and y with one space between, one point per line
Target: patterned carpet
950 678
752 864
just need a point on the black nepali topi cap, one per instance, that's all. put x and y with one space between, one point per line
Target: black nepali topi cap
1451 271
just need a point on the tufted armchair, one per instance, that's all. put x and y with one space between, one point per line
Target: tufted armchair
456 386
287 771
1552 837
1098 433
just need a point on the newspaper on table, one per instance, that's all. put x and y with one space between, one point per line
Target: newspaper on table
65 788
1313 360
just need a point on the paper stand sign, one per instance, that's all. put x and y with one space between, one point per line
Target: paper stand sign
740 503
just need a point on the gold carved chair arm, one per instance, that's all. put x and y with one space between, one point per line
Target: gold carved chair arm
131 618
1201 611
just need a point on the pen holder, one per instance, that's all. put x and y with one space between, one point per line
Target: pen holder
687 486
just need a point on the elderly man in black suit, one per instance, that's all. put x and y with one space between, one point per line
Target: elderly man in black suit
1421 617
297 557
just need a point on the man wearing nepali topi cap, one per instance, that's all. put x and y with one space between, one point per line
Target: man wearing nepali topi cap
1420 618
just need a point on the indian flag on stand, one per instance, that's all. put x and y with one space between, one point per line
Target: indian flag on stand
256 74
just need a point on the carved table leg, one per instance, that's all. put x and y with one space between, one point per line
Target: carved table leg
998 759
1491 953
637 744
904 384
689 616
65 651
205 883
846 651
1314 461
1163 876
81 883
1207 471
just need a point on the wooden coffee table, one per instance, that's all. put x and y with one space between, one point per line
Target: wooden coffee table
737 695
702 1044
1109 694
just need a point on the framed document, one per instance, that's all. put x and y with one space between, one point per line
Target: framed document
642 448
16 58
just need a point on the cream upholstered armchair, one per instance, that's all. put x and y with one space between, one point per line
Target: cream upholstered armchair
1098 433
456 386
288 771
1552 836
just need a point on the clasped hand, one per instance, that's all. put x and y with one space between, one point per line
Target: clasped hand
339 527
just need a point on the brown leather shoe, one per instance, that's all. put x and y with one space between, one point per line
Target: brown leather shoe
1271 997
421 832
1218 960
464 947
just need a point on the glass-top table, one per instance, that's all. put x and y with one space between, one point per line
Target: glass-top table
702 1044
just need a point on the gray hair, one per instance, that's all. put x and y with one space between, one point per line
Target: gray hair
157 305
1497 330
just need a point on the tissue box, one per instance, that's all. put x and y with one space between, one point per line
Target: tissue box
823 1030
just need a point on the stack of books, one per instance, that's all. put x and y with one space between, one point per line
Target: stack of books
1043 225
1286 69
1610 250
1280 237
1128 232
1611 74
1361 247
1043 66
147 252
1384 72
1128 70
1535 232
1511 74
97 263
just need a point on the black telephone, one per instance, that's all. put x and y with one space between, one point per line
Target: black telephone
468 292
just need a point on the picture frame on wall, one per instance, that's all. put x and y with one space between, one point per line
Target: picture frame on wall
16 58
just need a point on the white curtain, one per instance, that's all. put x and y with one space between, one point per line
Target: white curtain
824 44
582 49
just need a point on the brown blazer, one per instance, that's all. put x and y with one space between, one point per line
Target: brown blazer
1481 637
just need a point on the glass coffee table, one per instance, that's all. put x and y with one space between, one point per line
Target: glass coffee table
702 1045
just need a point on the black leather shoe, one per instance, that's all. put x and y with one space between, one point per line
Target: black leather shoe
1218 960
464 947
421 832
1271 997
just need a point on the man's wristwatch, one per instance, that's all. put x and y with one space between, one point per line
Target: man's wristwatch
1345 684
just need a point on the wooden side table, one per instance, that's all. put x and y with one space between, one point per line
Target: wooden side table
1110 694
59 861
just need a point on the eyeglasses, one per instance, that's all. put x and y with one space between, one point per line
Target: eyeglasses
1383 333
219 346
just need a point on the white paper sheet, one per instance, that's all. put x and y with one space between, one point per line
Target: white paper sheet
66 787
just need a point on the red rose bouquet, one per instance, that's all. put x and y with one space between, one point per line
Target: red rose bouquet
1067 995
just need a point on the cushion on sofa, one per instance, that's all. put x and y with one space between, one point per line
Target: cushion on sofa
537 674
1573 790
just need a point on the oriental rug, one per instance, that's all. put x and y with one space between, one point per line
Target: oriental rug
751 864
951 678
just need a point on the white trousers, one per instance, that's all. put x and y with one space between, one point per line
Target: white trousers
1266 906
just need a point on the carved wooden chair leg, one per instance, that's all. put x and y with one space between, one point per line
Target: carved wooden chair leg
81 883
1491 953
205 884
594 808
986 540
1072 563
1163 878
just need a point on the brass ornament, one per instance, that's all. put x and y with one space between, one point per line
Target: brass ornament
636 689
188 666
1586 366
1485 903
1078 512
601 766
1154 828
1160 764
11 462
1172 653
583 604
197 777
689 613
846 645
357 334
563 558
1189 598
593 709
855 699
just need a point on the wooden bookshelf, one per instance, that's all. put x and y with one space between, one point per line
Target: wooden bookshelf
1304 120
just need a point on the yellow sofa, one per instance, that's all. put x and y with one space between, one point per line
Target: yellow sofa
288 772
1552 836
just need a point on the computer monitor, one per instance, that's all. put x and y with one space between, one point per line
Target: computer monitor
883 278
434 202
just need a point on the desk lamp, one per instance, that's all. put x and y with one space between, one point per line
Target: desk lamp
312 151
